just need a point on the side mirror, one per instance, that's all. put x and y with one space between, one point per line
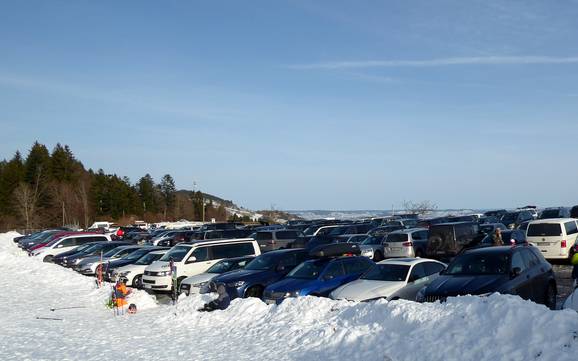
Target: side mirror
191 259
59 246
516 272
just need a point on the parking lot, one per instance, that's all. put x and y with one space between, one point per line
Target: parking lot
564 280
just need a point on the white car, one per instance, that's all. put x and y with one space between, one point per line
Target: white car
65 244
193 285
134 272
554 237
392 279
194 258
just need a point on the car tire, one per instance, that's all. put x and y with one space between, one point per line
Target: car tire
377 256
137 281
255 291
48 259
179 281
550 296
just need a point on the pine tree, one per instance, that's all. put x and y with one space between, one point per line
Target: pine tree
168 191
12 176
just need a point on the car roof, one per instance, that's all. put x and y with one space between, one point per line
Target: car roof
407 261
491 249
409 230
553 220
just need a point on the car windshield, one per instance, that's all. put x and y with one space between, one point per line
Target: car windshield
137 254
337 231
480 264
221 267
386 272
83 248
310 230
176 253
265 262
148 258
112 252
544 230
372 240
308 270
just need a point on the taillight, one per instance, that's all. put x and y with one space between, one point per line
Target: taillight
563 244
407 244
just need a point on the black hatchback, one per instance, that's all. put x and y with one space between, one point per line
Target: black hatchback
518 270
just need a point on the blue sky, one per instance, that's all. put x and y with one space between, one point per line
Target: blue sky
304 104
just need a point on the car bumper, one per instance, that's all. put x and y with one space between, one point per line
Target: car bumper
391 252
157 284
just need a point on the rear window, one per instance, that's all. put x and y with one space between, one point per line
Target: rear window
397 238
544 230
263 236
286 235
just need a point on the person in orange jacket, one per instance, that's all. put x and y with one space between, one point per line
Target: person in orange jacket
120 292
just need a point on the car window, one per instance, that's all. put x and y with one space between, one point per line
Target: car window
417 272
232 250
518 261
417 236
433 268
335 269
201 254
356 265
288 261
286 235
68 242
570 228
263 236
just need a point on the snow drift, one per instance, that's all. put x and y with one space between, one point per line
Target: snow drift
464 328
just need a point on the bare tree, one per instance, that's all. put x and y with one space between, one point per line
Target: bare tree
421 207
26 198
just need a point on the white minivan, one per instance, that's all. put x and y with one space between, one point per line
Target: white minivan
194 258
554 237
65 244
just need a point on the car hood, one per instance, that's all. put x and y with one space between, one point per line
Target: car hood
244 275
448 285
200 278
360 290
292 284
159 266
119 263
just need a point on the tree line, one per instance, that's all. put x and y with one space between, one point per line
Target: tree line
53 188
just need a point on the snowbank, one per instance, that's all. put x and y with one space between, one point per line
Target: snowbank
465 328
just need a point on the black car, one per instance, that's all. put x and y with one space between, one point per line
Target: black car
518 270
514 219
70 259
496 213
555 212
264 270
129 259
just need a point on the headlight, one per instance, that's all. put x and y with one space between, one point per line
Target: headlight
291 294
123 273
76 261
236 284
199 285
164 273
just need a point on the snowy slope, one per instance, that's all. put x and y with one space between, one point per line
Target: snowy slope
466 328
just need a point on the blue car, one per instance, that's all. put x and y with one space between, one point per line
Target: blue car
317 277
259 273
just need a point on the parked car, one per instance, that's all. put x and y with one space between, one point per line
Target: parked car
264 270
574 212
133 272
496 213
391 279
194 284
92 266
554 237
42 239
193 259
66 243
519 270
405 243
111 266
427 223
446 240
276 239
555 212
372 247
384 230
73 257
317 277
351 238
514 219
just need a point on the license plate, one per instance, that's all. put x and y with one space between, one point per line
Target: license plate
395 249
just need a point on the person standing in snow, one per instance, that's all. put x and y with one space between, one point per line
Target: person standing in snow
497 237
221 303
120 292
574 261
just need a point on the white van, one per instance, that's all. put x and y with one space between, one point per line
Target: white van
554 237
65 244
194 258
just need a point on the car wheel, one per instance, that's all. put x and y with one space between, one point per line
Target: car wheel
48 259
179 281
377 256
137 281
550 296
255 291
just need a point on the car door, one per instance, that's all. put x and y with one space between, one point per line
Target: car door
65 245
538 275
333 276
198 261
521 282
416 280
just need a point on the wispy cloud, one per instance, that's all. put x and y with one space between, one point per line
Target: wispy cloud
485 60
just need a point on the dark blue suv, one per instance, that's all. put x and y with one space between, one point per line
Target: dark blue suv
260 273
317 277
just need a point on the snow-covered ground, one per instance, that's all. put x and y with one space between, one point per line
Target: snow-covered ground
466 328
